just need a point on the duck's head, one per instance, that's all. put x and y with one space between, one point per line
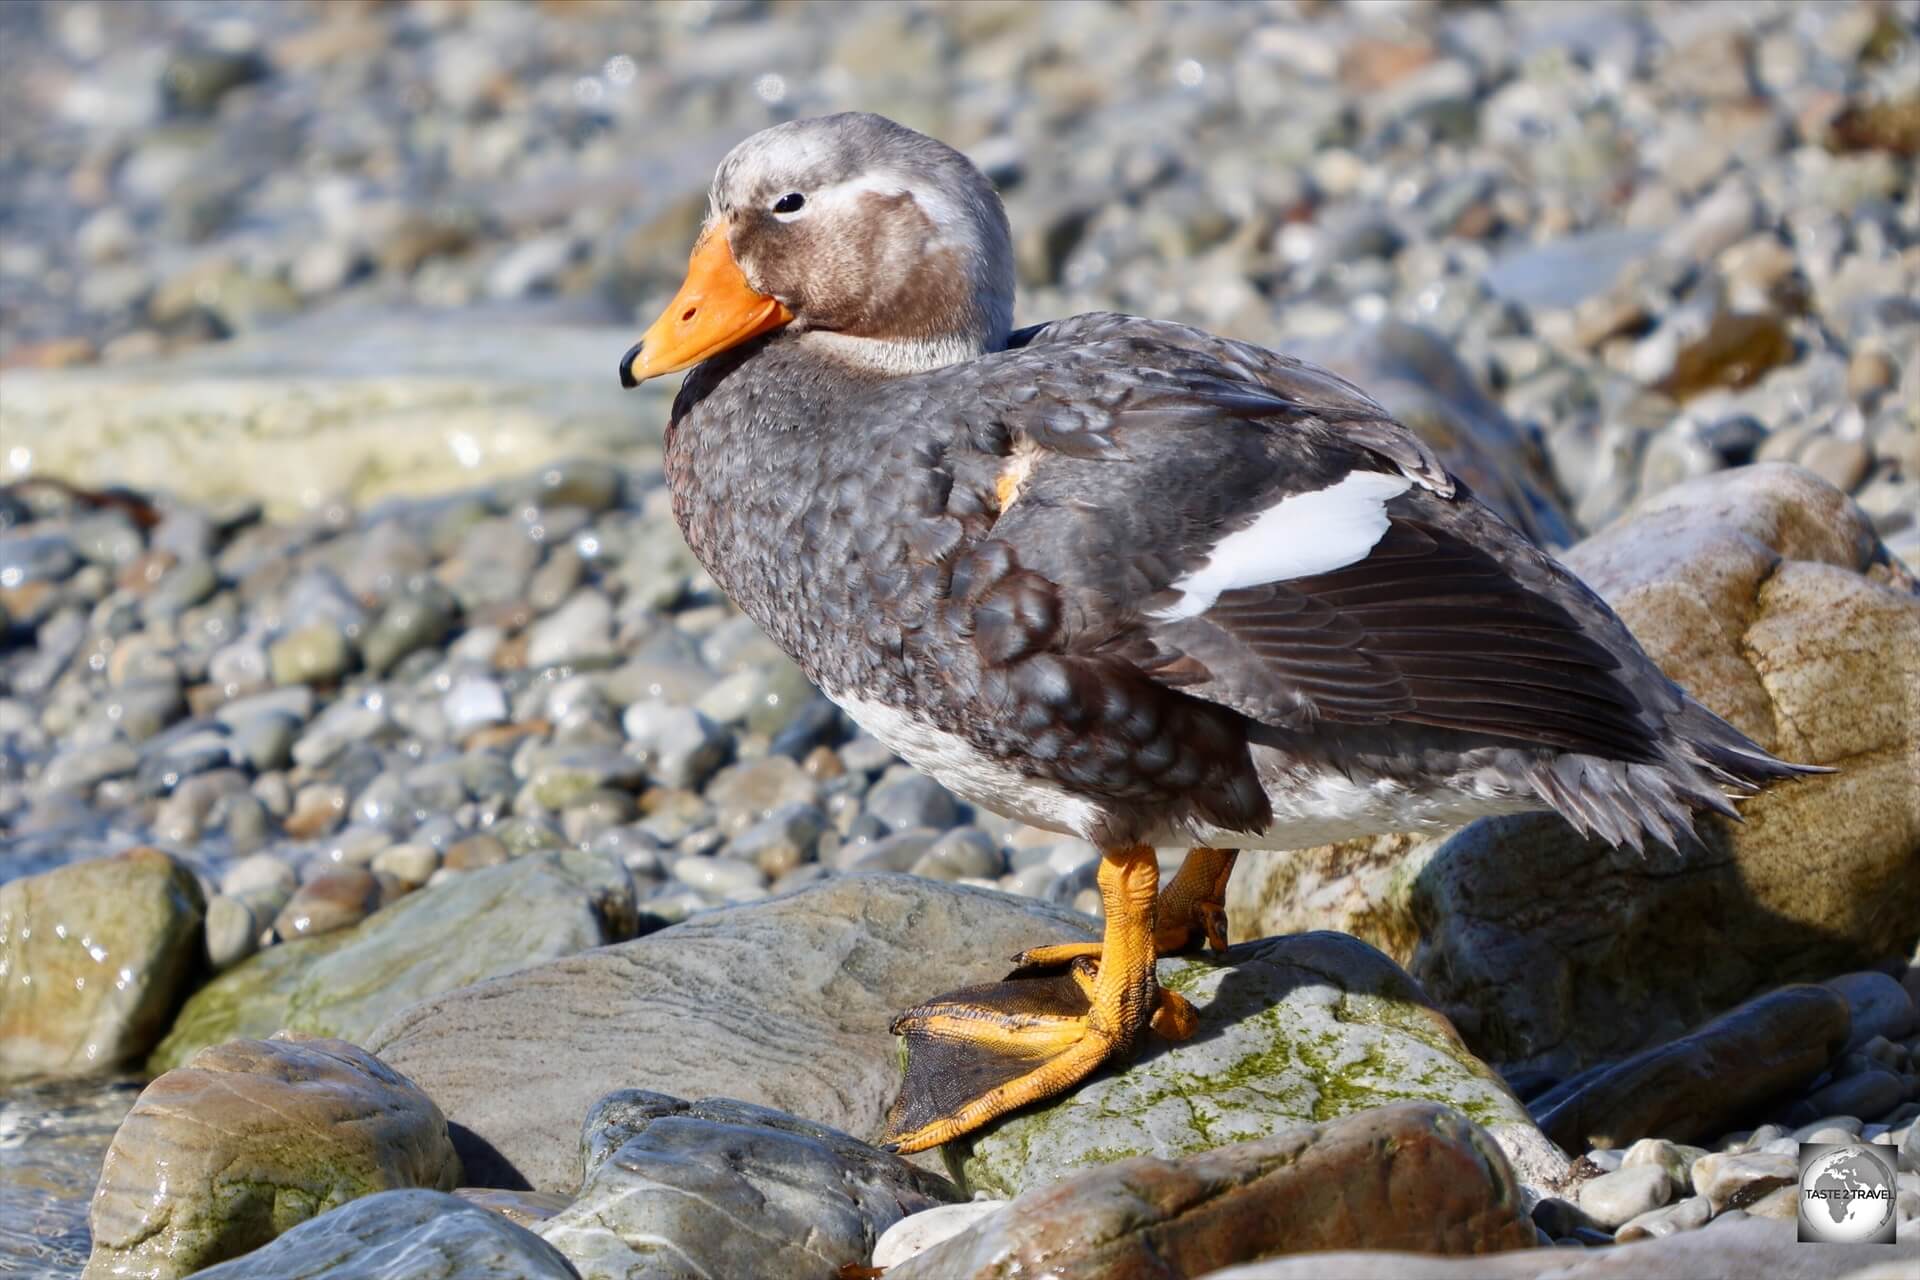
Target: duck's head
886 248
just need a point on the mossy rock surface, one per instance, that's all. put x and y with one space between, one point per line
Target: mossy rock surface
95 957
1293 1031
251 1138
487 923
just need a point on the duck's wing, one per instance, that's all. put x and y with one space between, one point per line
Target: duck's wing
1258 533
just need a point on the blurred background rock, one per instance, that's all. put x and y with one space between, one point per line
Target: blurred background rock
1674 237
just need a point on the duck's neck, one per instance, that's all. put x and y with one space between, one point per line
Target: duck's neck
891 357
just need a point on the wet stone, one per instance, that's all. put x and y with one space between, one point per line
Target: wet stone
250 1138
1655 1224
1738 1181
912 800
1616 1198
94 959
719 1187
328 902
315 654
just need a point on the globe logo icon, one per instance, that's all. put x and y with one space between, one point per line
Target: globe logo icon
1846 1194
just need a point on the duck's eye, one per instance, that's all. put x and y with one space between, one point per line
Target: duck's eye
789 203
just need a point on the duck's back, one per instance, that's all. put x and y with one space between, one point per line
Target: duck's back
1174 585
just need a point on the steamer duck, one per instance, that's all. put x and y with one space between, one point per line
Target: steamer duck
1121 579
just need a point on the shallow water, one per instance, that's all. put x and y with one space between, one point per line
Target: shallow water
53 1138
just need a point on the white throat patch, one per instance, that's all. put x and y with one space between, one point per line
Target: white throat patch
1297 537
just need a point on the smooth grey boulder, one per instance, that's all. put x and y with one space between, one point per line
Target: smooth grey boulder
482 924
786 1003
1293 1031
725 1188
402 1235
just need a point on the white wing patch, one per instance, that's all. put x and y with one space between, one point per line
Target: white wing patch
1297 537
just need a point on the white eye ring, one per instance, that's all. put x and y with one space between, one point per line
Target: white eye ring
790 206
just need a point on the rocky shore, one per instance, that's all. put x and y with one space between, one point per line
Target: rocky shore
407 854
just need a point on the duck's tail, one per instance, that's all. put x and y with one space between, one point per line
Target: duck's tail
1703 763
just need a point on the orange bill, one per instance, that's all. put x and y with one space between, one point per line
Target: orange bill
715 309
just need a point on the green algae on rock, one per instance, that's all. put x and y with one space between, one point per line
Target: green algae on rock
251 1138
94 959
1293 1031
484 924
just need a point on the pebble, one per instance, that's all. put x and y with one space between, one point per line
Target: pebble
232 934
1613 1199
1879 1004
719 877
1870 1093
909 799
782 841
1676 1159
475 852
315 654
1683 1215
81 768
411 864
1738 1181
581 628
682 747
332 900
964 853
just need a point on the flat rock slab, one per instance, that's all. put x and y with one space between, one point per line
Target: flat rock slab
402 1235
1293 1031
251 1138
1742 1250
725 1188
346 983
313 411
785 1003
1411 1176
1699 1085
94 959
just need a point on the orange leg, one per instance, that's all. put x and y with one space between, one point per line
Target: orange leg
1193 905
977 1054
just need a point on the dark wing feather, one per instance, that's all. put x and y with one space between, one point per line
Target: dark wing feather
1428 629
1452 620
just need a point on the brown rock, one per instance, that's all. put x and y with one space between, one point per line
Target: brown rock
1766 594
329 901
1412 1176
1890 125
1736 351
1698 1085
1739 1250
475 852
317 810
95 957
251 1137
